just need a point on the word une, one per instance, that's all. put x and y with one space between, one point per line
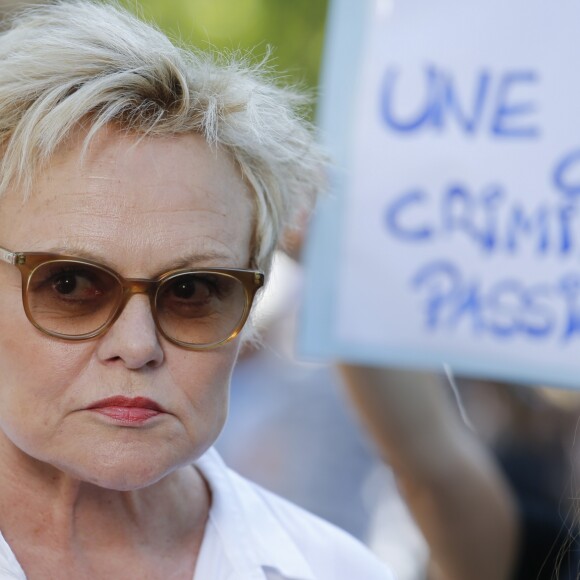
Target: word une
502 104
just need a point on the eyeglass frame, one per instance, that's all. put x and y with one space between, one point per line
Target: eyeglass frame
28 262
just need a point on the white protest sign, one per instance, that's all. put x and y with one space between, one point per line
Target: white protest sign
453 233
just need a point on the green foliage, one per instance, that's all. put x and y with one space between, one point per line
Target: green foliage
294 29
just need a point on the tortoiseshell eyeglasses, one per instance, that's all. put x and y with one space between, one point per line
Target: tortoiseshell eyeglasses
76 299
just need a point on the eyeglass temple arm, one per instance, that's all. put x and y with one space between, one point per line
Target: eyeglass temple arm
8 256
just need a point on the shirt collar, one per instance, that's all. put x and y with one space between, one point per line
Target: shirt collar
253 539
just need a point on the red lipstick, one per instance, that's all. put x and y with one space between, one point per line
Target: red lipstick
126 410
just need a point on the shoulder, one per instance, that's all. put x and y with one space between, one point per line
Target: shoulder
285 537
332 552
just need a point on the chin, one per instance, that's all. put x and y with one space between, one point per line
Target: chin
126 477
126 470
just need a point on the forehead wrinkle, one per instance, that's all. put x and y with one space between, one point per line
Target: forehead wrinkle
132 216
125 212
212 240
212 245
105 202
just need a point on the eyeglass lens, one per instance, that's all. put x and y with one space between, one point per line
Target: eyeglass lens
74 299
200 308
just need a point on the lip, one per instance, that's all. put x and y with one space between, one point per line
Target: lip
127 410
135 402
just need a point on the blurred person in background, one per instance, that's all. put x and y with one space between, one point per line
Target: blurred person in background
495 499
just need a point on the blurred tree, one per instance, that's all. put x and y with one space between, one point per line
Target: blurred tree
294 29
8 7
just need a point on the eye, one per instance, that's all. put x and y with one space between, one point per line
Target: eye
72 298
198 295
194 288
76 284
71 283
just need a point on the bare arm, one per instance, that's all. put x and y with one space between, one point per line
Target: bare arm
451 483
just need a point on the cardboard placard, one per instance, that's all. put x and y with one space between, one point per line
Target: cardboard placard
452 234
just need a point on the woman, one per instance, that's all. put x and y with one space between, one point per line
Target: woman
143 190
452 486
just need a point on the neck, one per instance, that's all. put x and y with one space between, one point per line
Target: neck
45 507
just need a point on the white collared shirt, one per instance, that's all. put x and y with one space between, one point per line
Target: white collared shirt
251 534
254 534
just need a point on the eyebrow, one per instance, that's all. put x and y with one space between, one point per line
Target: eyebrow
190 260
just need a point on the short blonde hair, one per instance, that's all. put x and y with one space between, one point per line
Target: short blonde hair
70 62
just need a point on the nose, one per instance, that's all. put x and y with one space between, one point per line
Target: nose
133 339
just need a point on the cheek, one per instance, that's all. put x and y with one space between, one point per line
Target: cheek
36 374
28 359
204 379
